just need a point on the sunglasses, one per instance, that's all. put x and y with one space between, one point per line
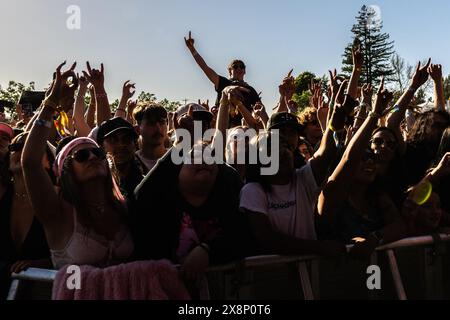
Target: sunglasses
238 66
380 141
83 155
15 147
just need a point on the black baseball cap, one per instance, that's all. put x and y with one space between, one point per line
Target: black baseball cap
283 119
113 125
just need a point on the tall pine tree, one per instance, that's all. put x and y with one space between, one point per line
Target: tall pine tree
375 46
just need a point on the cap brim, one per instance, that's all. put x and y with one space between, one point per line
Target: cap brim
119 129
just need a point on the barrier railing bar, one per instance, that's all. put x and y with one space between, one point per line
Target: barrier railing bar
36 274
396 275
13 289
47 275
305 281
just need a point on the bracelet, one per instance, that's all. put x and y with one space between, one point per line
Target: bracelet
205 247
330 126
395 109
43 123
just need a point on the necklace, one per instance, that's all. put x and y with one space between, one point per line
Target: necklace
21 195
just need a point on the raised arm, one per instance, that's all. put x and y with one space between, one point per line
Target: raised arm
324 156
78 112
210 73
97 79
358 61
335 191
435 71
419 78
127 93
286 90
92 108
46 202
222 122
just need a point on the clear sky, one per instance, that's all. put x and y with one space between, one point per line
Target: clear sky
143 40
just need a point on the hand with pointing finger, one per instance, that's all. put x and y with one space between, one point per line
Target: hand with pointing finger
420 75
189 42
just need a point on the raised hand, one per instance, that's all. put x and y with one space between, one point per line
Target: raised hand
127 93
443 168
383 99
287 86
131 105
435 72
96 77
366 93
334 82
204 104
420 75
61 92
189 42
358 58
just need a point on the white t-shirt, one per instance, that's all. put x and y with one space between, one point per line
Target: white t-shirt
149 163
290 208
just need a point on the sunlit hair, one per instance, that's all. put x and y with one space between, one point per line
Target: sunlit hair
148 110
308 115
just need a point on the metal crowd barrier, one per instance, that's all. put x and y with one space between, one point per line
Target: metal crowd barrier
48 276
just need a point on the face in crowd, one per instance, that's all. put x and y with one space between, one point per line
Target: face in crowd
304 151
384 145
121 145
367 171
88 162
236 70
153 131
199 177
313 131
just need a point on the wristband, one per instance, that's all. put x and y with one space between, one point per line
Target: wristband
330 126
205 247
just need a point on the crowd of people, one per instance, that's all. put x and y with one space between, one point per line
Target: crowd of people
81 185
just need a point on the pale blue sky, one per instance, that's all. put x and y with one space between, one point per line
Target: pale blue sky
143 40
